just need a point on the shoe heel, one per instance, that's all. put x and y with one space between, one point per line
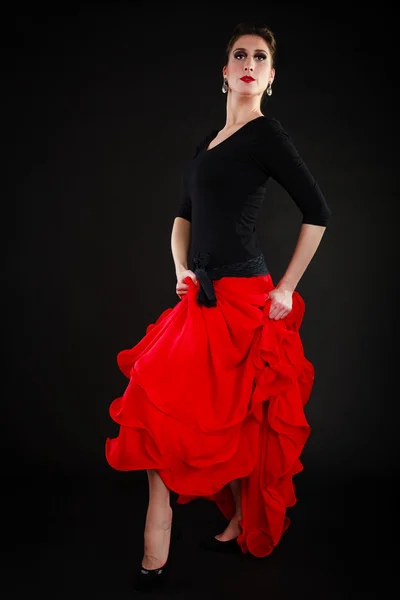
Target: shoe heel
149 579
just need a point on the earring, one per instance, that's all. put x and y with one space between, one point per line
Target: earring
225 86
269 89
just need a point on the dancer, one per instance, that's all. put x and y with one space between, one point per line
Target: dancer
214 407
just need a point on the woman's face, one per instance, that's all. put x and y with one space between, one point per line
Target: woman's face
250 57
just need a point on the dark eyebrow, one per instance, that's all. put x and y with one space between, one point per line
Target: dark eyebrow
256 50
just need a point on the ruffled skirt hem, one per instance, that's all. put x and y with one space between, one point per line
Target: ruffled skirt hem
217 394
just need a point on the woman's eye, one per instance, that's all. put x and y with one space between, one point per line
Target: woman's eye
239 54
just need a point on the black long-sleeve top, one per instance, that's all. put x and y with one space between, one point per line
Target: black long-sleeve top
224 188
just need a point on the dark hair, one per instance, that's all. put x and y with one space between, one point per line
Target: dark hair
253 29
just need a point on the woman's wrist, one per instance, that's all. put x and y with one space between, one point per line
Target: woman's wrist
286 286
180 268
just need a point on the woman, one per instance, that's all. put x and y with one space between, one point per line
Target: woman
214 406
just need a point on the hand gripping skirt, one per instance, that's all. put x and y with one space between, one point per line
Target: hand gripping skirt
217 394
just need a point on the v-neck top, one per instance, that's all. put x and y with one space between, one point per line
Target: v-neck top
223 189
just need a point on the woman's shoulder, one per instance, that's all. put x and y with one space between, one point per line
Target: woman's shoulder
272 129
270 123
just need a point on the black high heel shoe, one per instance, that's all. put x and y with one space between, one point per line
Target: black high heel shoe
214 545
146 580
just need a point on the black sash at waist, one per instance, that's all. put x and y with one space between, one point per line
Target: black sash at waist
206 294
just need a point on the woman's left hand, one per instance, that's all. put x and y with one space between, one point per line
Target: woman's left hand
281 303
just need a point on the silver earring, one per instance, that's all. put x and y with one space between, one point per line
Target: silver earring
225 86
269 89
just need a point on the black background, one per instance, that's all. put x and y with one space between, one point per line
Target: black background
103 105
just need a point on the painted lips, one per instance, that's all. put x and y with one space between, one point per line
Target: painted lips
247 79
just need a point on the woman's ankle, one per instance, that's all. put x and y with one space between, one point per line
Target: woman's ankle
159 517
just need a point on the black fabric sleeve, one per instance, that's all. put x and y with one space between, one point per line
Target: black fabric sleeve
280 159
185 208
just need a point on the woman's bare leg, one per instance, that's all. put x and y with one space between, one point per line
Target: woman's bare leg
236 488
233 529
157 532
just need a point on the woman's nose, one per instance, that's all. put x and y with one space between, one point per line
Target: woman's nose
249 67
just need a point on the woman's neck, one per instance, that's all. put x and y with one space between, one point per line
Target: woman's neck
239 113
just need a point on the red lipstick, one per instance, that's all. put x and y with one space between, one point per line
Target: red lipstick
247 78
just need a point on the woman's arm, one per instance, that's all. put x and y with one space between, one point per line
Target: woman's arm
307 244
181 229
180 241
280 159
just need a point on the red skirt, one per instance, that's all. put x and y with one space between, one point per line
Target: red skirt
217 394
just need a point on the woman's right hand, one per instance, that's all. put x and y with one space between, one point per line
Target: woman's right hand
182 288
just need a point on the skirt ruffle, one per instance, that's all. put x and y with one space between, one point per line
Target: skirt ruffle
216 394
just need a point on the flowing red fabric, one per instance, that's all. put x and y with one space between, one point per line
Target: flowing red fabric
217 394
